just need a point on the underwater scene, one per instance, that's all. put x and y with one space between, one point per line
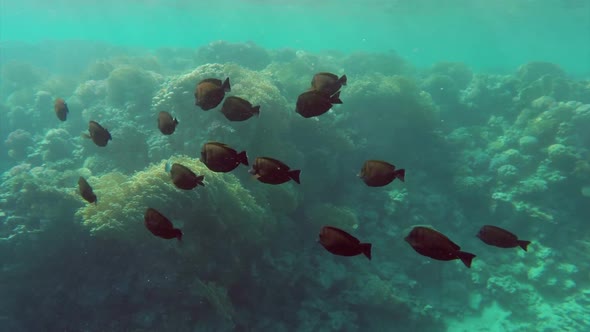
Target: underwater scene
275 165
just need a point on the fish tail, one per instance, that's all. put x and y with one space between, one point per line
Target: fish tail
256 110
335 98
226 86
295 175
168 166
175 121
85 135
200 180
178 234
401 174
342 80
243 158
524 244
366 249
465 257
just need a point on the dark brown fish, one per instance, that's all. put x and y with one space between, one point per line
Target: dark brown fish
86 191
340 243
184 178
61 109
210 92
272 171
160 226
430 243
327 83
99 135
166 123
219 157
315 103
377 173
238 109
496 236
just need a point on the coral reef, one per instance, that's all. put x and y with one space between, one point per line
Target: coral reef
509 150
247 55
131 85
57 147
223 205
32 196
19 144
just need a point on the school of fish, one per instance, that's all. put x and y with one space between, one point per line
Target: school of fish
219 157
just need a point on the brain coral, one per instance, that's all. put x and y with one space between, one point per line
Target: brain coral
221 211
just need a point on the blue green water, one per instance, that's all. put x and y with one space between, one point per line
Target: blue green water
502 34
484 104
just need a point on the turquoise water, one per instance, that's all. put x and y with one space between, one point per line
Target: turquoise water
485 105
502 34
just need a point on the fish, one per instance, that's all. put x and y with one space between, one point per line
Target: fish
272 171
86 191
327 83
339 242
430 243
160 226
184 178
219 157
499 237
377 173
99 135
315 103
210 92
166 123
61 109
238 109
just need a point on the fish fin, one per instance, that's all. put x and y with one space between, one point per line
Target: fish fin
168 166
200 180
256 110
366 249
524 244
175 121
343 80
243 158
294 174
465 257
335 98
401 174
226 86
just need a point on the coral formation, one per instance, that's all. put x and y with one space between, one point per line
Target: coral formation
247 55
509 150
19 144
131 85
223 205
